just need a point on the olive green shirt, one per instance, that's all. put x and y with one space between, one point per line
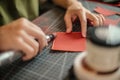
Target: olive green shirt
14 9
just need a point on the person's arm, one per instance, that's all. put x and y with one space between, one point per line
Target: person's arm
20 35
64 3
76 9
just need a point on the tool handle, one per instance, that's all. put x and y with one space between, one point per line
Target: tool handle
9 57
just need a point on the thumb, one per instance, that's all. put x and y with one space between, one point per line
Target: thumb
68 23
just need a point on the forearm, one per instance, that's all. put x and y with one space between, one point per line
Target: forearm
1 35
64 3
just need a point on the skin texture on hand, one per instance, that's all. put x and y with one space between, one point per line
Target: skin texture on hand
20 35
74 10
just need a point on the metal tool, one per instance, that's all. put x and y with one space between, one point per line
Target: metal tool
11 56
101 59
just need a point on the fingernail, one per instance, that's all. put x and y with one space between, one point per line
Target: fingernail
68 31
84 35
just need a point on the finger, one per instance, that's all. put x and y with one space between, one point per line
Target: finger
68 23
93 18
36 27
103 19
42 43
37 34
26 49
30 41
99 19
42 40
74 18
83 21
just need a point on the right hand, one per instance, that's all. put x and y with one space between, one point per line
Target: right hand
20 35
76 9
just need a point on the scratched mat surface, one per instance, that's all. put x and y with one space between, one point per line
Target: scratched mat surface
48 65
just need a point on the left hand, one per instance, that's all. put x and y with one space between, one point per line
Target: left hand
77 10
20 35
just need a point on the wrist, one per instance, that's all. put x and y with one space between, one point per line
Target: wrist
1 38
72 2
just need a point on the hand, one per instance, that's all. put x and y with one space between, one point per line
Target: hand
20 35
77 10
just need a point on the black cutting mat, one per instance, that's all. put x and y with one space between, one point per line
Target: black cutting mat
48 65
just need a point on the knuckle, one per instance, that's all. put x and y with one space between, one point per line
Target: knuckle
37 45
30 54
18 34
22 22
84 21
36 49
18 41
96 19
42 35
23 19
28 57
81 10
34 54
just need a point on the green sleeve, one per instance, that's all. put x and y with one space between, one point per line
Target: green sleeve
14 9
